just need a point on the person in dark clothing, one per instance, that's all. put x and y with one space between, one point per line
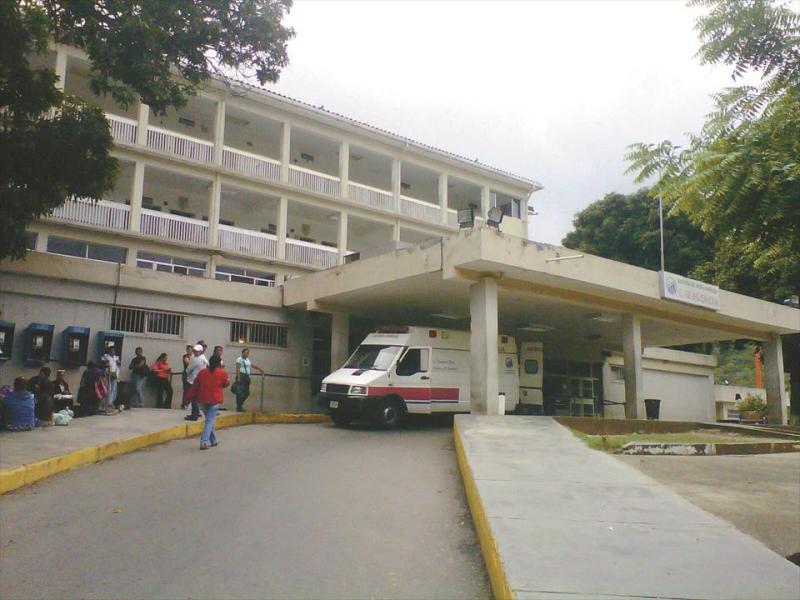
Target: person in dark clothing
62 396
139 372
92 389
18 408
42 390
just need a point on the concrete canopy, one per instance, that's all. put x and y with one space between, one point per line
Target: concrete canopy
573 301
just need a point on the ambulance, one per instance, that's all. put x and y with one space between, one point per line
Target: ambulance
420 370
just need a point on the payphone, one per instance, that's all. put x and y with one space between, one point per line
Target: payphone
108 339
39 343
6 340
76 345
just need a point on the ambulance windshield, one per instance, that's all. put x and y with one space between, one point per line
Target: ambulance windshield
378 358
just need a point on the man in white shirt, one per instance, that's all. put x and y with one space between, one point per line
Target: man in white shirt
197 364
112 375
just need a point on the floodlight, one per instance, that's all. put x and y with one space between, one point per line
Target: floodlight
495 217
466 218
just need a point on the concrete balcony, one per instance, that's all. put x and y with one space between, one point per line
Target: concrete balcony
123 129
311 255
418 209
103 213
370 196
251 164
179 145
174 227
252 243
314 181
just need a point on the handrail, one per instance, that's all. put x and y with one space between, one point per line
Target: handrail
369 187
127 120
421 202
234 229
312 172
172 217
188 138
252 155
312 245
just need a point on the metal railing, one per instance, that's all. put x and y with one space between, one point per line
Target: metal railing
122 128
251 164
179 145
103 213
314 180
364 194
312 255
247 241
173 227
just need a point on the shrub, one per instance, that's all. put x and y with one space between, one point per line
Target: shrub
754 404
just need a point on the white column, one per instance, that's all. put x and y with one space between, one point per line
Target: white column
396 232
219 132
344 169
341 236
61 67
142 120
774 380
443 196
396 179
137 191
286 150
283 218
41 242
340 340
211 270
486 198
484 389
214 199
632 355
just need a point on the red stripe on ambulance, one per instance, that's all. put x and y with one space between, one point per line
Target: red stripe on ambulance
416 393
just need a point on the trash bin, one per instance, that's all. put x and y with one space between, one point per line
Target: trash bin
652 406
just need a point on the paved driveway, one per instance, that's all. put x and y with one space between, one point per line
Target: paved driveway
289 511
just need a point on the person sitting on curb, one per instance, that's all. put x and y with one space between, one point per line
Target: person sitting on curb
18 408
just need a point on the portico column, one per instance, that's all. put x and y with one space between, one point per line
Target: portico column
214 196
61 67
632 354
396 179
443 196
341 236
142 122
219 132
137 191
286 148
483 347
283 217
486 196
344 169
774 380
340 339
396 231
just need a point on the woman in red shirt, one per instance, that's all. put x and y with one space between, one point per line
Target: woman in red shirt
161 374
207 390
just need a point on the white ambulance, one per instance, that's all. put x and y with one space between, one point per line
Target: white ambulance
400 370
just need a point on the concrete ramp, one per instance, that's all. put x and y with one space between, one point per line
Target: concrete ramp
557 519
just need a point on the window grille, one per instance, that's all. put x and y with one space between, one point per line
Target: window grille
136 320
235 274
259 334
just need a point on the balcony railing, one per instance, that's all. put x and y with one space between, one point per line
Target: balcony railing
179 145
252 243
173 227
251 164
103 213
312 255
122 128
420 210
313 180
364 194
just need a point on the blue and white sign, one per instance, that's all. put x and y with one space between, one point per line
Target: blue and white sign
689 291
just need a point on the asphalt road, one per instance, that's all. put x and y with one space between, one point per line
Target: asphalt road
281 511
759 494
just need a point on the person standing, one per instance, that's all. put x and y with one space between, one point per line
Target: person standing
187 358
207 391
139 371
42 389
111 363
93 389
161 379
197 364
244 367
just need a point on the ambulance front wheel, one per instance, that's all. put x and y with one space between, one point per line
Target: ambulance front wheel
340 419
389 413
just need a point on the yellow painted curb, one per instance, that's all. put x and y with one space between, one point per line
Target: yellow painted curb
501 589
17 477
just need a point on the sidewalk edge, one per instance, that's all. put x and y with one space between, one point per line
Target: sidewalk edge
20 476
501 588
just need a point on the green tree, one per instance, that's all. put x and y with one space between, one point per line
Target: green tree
54 147
625 228
739 178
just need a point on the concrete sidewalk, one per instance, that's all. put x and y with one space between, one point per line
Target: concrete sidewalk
558 519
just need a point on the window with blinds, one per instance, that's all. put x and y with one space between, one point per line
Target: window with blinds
154 322
270 335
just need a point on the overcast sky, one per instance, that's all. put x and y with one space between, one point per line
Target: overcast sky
553 91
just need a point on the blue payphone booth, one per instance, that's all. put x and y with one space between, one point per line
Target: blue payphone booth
76 345
108 339
39 343
6 340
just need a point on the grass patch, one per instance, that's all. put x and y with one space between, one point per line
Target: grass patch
614 443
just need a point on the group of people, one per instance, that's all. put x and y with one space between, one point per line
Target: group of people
32 402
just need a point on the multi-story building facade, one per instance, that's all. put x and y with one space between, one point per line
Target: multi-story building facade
240 187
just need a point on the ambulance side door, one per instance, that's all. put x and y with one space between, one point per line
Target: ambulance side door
412 379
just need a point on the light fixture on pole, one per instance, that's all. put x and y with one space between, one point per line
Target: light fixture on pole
495 217
466 218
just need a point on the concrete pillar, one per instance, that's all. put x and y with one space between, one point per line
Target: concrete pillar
282 225
340 340
286 149
632 354
137 191
41 242
341 236
774 380
61 67
486 198
211 270
142 122
396 179
214 199
219 132
443 196
483 347
396 231
344 169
